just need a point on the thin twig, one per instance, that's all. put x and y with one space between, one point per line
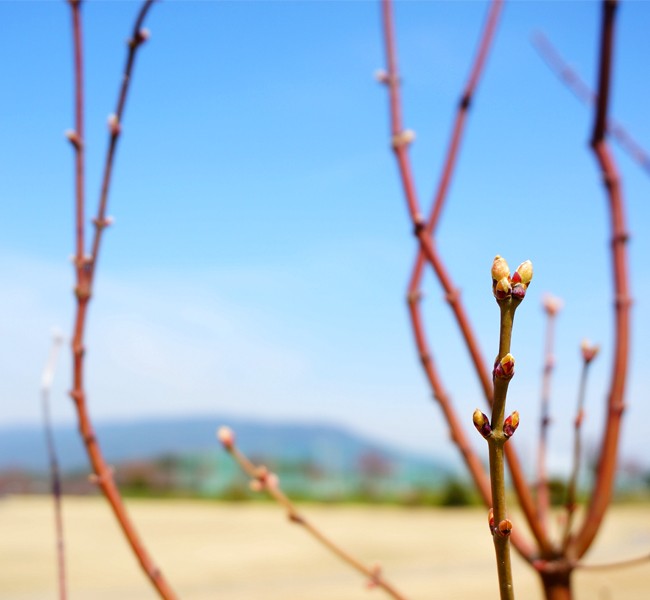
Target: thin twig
588 352
263 479
551 307
427 252
85 272
584 93
55 478
509 292
601 493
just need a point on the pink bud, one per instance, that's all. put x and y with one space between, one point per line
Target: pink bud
551 304
503 288
505 368
114 126
524 273
226 436
500 268
505 527
510 424
482 423
589 351
403 138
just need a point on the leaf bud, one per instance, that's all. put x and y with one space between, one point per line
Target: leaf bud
505 368
500 268
524 273
589 351
226 436
505 527
510 424
552 305
403 138
502 289
482 423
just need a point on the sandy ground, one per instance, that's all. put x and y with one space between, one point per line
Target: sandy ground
237 552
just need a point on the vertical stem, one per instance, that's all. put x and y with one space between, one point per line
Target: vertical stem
577 455
543 499
496 442
78 144
55 479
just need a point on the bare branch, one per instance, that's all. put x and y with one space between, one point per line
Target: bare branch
263 480
85 272
55 478
601 493
584 93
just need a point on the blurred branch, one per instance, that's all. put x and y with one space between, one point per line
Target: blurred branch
264 480
551 307
588 354
55 479
602 490
427 252
584 93
85 272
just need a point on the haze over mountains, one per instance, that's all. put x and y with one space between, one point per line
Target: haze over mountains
322 444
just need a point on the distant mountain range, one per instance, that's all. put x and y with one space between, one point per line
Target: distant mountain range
327 446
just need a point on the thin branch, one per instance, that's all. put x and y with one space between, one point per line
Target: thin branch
601 493
263 479
55 479
551 307
588 354
584 93
85 271
427 252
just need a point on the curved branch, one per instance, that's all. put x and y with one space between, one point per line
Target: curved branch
427 251
601 494
85 272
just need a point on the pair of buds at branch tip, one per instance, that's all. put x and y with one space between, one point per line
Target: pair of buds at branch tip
483 426
504 286
264 479
504 528
589 351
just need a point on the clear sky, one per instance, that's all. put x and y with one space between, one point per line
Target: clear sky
261 246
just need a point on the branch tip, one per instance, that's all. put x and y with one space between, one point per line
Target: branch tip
227 437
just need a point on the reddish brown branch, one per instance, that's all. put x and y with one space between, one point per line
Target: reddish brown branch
551 306
582 91
605 475
55 478
428 253
263 479
85 271
572 485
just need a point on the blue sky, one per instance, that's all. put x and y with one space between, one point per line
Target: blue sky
261 249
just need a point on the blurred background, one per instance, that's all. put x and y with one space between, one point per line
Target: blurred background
256 273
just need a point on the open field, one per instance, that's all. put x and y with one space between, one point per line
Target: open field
248 551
